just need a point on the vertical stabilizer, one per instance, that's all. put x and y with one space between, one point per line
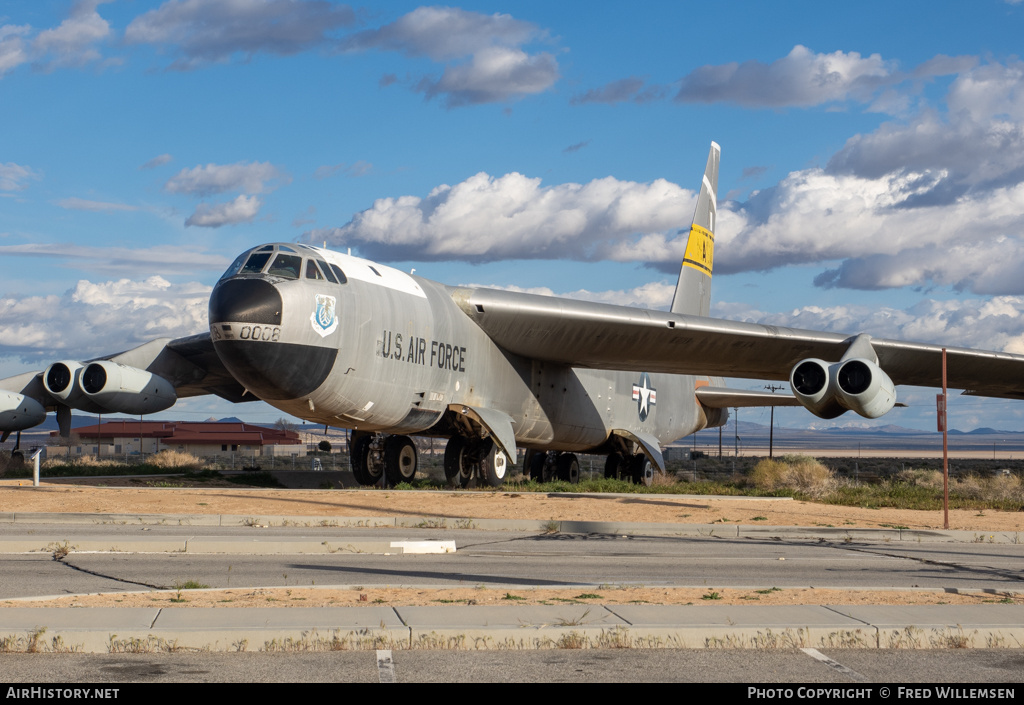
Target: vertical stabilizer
693 292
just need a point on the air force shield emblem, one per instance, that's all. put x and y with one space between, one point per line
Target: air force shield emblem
324 318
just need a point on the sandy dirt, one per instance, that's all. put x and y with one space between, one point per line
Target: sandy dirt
19 496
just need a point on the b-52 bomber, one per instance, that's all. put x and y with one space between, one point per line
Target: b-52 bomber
345 342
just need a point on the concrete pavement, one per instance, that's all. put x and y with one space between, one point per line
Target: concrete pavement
102 629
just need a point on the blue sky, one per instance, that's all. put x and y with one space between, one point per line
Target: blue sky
872 161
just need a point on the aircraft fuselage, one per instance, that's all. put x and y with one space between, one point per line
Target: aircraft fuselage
391 352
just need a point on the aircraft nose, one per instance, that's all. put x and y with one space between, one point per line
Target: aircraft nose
264 356
246 301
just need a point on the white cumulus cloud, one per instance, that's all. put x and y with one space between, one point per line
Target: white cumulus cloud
483 54
203 31
15 177
991 324
241 210
73 42
97 318
246 177
513 216
801 78
13 50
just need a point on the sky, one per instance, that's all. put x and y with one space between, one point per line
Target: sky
872 173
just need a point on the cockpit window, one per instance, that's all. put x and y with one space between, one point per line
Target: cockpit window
327 271
235 266
285 248
342 279
256 263
312 271
287 266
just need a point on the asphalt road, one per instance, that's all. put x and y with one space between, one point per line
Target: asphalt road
506 558
865 670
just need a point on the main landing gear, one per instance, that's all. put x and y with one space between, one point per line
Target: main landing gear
374 456
466 458
636 468
551 465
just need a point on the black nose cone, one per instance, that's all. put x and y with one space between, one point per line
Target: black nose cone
245 301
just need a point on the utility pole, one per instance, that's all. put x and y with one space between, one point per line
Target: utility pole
771 425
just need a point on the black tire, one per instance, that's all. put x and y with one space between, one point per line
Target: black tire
458 468
494 466
358 456
533 464
568 468
399 459
17 457
615 466
642 470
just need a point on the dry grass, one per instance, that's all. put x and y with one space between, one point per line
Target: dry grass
998 488
82 461
175 460
793 472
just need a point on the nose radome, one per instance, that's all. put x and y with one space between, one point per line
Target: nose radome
246 301
272 367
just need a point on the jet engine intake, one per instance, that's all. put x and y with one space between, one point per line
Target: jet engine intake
862 386
18 412
809 381
828 390
126 390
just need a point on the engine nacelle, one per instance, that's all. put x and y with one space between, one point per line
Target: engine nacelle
810 382
828 390
63 381
126 390
862 386
18 412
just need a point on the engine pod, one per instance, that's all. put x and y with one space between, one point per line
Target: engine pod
863 387
126 390
18 412
62 381
810 382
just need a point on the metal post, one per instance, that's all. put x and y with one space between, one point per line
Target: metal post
945 447
35 467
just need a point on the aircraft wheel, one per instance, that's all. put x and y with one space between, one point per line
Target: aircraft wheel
533 464
494 466
642 470
458 468
568 468
358 456
399 459
17 457
615 466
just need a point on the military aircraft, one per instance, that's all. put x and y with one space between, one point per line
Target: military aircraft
342 341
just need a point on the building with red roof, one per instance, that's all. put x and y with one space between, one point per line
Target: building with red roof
212 438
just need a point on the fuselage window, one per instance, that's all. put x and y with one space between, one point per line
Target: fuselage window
256 263
287 266
312 271
342 279
327 271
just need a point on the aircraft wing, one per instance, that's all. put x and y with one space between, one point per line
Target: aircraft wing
727 398
190 364
604 336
